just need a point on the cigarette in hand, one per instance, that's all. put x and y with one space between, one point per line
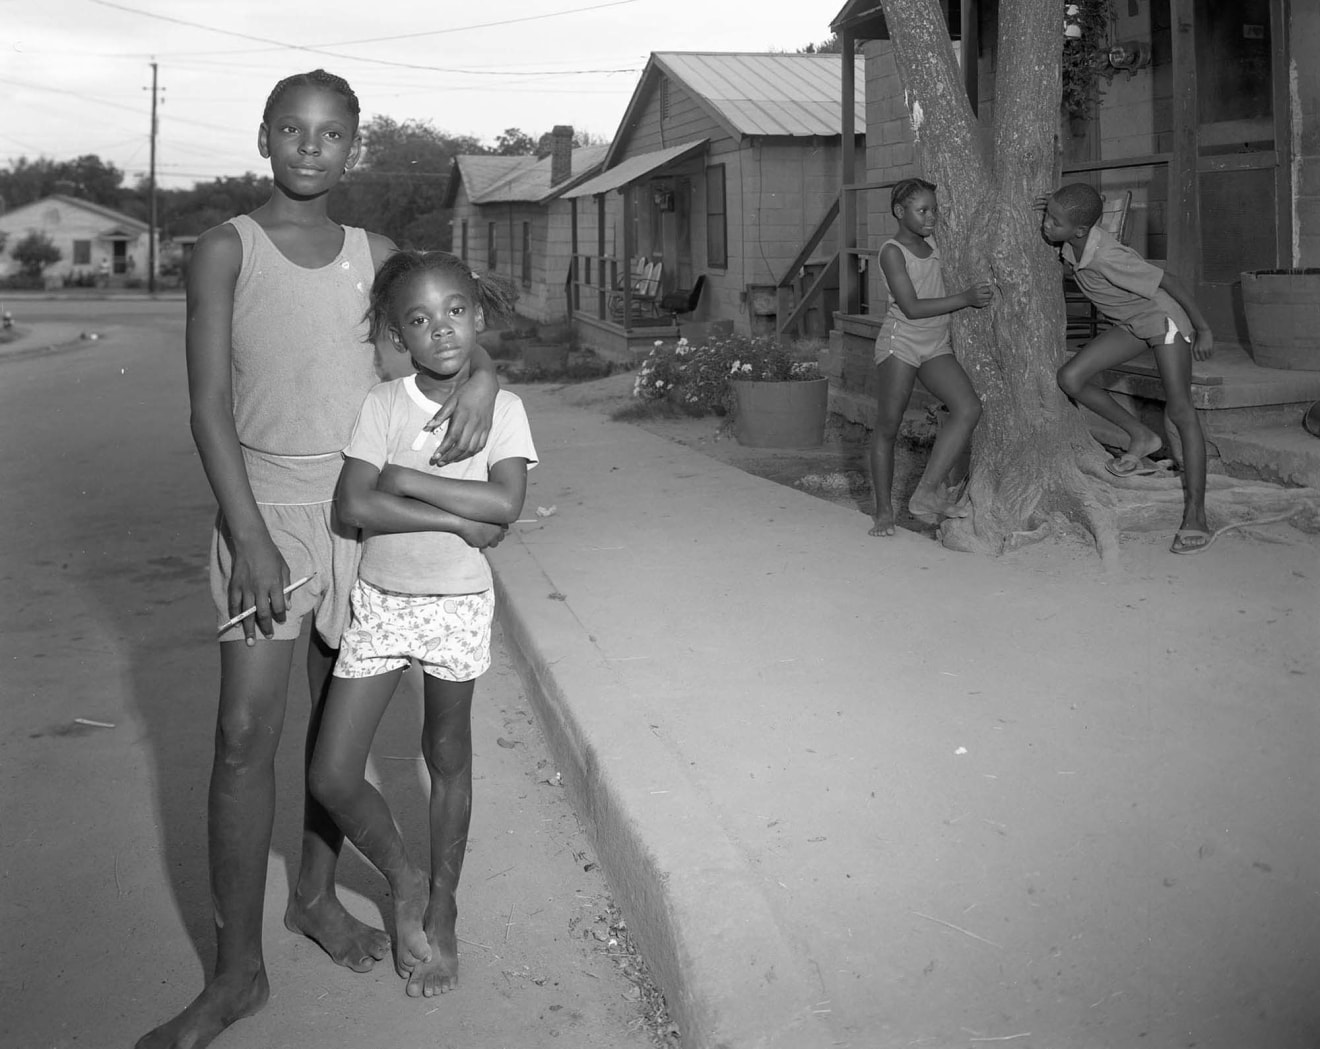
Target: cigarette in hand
249 611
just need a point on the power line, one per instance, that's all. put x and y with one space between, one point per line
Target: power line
321 48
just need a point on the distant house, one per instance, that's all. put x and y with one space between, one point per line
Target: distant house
725 166
508 218
85 233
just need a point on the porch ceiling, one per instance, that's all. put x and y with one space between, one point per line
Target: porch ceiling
634 168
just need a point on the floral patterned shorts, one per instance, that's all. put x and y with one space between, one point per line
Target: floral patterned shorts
449 634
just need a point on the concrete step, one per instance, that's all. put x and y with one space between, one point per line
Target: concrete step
1285 454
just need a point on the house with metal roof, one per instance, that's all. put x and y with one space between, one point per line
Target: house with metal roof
508 218
723 167
95 242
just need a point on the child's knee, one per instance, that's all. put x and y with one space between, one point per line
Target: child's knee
967 412
325 783
1069 381
244 739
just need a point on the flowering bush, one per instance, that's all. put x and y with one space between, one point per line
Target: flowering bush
696 378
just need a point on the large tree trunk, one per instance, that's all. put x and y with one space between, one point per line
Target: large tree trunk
1032 453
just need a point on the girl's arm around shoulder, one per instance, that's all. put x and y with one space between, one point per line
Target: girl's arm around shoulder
904 294
1203 340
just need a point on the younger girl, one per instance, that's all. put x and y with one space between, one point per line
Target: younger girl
423 592
914 343
278 364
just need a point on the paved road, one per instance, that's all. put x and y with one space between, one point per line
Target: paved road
102 867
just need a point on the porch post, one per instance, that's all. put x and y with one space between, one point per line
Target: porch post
574 298
601 282
1184 195
848 296
625 194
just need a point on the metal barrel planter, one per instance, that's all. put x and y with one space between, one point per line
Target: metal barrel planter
780 414
1283 317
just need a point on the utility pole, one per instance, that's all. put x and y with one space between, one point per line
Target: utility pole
151 184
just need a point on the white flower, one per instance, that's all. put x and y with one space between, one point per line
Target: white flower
747 367
659 384
659 342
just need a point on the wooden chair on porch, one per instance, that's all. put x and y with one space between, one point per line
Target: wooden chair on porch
1084 320
645 292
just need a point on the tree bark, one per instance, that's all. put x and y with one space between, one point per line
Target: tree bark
1031 447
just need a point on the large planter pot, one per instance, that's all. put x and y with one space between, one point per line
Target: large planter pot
1283 317
780 414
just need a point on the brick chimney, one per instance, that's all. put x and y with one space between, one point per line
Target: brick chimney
561 153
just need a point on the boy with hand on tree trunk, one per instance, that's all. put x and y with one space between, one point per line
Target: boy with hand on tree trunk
1148 307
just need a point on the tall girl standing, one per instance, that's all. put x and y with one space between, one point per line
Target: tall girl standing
278 366
914 343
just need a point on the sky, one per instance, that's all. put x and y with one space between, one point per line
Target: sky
75 75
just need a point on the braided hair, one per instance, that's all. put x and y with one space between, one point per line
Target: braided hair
316 78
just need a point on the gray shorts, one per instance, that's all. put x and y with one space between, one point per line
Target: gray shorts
295 496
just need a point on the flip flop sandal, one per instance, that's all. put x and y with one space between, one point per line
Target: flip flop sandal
1126 465
1179 548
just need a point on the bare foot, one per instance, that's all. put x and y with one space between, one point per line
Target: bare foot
411 948
221 1002
883 524
1145 445
349 942
439 975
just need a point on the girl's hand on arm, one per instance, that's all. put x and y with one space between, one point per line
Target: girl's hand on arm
1203 339
470 410
364 503
259 572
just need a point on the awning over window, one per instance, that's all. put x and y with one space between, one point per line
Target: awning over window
635 168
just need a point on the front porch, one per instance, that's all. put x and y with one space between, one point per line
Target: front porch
615 341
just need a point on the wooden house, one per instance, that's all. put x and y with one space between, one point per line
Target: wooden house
508 218
87 235
721 168
1205 116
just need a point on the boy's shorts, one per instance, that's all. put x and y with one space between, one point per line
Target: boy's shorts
1159 327
295 497
449 634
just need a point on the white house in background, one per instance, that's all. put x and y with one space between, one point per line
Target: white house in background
85 234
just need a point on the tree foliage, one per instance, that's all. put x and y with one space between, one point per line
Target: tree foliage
87 177
398 186
514 142
35 252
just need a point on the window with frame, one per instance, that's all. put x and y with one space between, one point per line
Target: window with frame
82 252
717 226
463 240
527 253
492 247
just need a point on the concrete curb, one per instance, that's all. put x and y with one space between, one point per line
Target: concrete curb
730 977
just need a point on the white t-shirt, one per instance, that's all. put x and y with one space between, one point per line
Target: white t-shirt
389 422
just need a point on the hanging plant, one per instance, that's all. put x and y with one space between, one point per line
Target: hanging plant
1087 31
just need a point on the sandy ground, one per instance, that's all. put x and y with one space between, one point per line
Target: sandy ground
108 679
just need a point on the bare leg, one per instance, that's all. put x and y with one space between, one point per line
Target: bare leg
254 683
314 907
337 779
944 377
447 747
1175 364
895 390
1107 350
